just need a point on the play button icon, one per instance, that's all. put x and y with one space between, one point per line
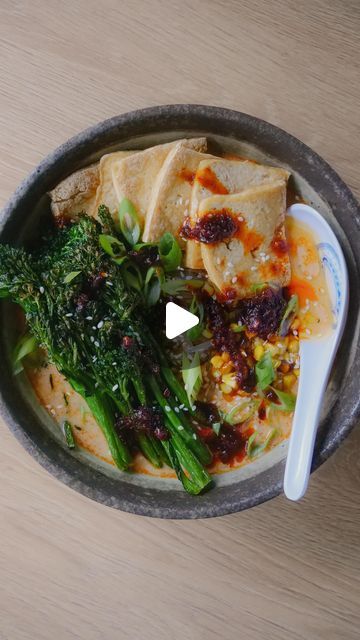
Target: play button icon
178 320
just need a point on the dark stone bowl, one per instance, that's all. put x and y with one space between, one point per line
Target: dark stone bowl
233 132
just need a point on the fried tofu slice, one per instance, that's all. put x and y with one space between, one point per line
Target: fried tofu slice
76 193
135 177
170 199
105 193
220 176
252 248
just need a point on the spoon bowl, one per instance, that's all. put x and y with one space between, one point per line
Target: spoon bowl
316 354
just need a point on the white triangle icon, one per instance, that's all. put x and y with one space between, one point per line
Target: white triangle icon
178 320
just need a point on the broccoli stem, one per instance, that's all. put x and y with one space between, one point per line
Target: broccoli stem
180 423
149 449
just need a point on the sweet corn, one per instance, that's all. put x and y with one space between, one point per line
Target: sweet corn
289 380
259 352
225 356
277 364
229 380
295 324
272 348
207 334
225 388
293 346
226 368
217 362
297 372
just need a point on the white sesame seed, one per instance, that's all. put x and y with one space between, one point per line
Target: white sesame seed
253 268
100 324
96 343
92 338
176 409
41 289
309 277
167 408
322 290
193 407
93 328
115 387
218 261
110 284
241 219
59 406
295 333
230 264
88 318
180 427
114 364
194 436
308 332
181 406
227 273
234 279
68 315
96 385
52 411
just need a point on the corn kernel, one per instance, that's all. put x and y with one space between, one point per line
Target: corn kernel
277 364
297 372
206 333
225 388
230 380
258 352
272 349
225 356
216 362
226 368
295 324
293 345
289 380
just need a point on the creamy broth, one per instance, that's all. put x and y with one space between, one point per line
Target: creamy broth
314 320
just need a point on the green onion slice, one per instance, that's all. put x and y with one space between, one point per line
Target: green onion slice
25 345
287 401
291 310
253 449
264 370
192 376
129 222
170 252
113 247
69 436
71 276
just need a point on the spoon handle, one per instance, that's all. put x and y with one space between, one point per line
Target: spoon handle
315 365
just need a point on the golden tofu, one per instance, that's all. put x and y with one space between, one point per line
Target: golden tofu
219 176
75 194
135 177
244 241
170 199
106 193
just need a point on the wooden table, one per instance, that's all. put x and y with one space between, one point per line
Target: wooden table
70 568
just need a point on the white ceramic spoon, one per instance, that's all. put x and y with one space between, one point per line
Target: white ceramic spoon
316 355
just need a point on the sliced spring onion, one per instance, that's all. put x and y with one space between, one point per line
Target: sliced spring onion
132 276
152 286
69 436
192 376
253 449
242 412
264 370
178 285
112 246
129 221
170 252
216 426
71 276
291 309
287 401
197 308
238 328
260 286
25 345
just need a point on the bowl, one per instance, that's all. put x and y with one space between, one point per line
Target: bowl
232 132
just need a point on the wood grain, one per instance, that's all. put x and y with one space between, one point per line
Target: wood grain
70 568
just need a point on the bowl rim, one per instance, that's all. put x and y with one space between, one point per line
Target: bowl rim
60 463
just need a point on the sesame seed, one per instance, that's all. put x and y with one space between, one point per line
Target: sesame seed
176 409
96 385
114 364
230 264
100 324
253 268
193 407
93 328
181 406
167 408
234 279
194 436
41 289
218 261
308 332
295 333
110 284
52 411
96 343
241 219
322 290
92 338
227 273
68 315
309 277
88 318
180 427
115 387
